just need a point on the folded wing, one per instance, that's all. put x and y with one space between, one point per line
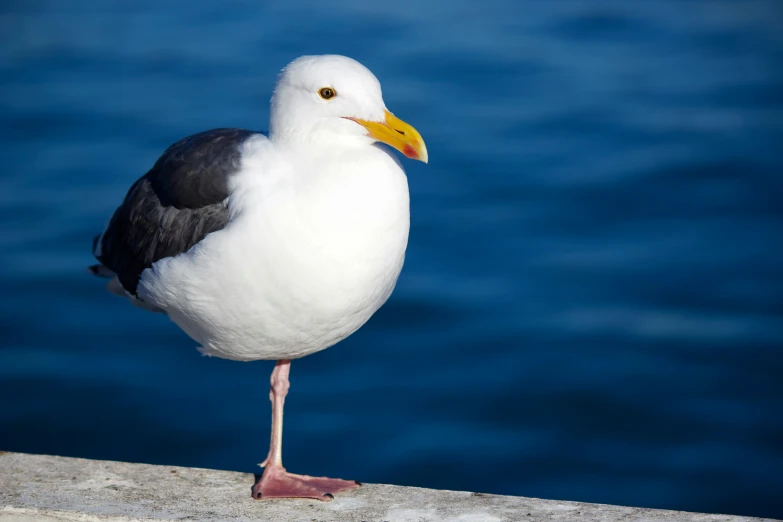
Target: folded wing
172 207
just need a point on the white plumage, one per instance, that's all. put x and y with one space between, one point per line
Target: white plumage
313 248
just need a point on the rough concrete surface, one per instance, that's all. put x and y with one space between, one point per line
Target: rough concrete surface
46 488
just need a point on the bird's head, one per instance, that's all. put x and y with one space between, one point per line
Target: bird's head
333 98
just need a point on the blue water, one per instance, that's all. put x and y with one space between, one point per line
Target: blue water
592 303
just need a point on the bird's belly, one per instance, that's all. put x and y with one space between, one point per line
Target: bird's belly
265 289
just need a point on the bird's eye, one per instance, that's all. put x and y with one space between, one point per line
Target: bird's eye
327 93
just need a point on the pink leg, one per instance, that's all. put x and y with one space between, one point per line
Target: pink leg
276 482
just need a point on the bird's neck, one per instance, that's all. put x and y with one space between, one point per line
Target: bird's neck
318 146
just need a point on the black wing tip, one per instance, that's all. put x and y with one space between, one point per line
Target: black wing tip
100 271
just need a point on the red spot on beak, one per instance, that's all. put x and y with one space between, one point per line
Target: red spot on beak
410 152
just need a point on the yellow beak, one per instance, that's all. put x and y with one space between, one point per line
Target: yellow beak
398 134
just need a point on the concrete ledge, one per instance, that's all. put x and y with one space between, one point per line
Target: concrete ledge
45 488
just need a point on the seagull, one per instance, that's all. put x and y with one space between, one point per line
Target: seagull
273 246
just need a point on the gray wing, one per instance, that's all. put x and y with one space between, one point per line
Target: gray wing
172 207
